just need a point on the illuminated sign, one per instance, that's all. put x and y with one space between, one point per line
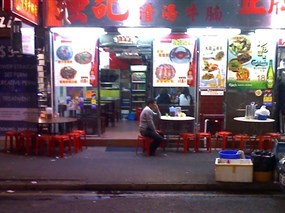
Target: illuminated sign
26 9
166 13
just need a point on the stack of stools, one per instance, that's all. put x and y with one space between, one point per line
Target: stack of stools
241 139
27 137
62 140
40 140
83 134
274 135
265 142
186 137
224 135
11 136
202 135
75 138
145 144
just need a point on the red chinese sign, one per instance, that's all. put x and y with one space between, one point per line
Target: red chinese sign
26 9
195 13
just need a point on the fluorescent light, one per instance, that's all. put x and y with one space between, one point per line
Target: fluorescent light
213 31
78 31
146 32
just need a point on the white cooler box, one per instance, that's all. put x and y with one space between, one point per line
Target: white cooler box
234 170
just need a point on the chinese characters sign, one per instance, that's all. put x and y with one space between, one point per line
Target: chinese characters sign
27 9
165 13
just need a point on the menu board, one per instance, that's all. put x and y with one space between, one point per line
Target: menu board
73 57
172 61
249 60
18 88
213 62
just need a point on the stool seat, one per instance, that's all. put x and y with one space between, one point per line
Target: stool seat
82 133
11 136
224 135
27 137
40 139
241 139
75 138
262 139
62 140
145 144
201 135
274 135
186 137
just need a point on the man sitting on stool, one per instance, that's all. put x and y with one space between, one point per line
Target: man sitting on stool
147 126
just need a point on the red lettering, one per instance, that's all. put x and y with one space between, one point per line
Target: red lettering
214 14
250 7
105 7
75 10
146 12
169 12
192 12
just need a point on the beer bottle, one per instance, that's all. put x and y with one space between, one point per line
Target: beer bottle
270 76
92 75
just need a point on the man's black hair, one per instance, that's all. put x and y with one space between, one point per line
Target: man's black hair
150 101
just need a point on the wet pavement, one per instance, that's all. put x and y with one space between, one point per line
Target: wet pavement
118 168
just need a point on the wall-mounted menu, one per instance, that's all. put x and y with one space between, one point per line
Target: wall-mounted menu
172 59
18 88
213 62
249 62
73 57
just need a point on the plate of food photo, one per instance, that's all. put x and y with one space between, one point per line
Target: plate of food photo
180 55
64 52
239 44
165 72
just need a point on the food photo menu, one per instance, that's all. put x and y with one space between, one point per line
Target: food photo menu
213 62
249 62
172 59
73 60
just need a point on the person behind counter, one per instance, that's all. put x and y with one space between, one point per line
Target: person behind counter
185 99
147 127
163 97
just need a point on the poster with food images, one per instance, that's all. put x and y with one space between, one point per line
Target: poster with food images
73 60
248 61
172 62
213 62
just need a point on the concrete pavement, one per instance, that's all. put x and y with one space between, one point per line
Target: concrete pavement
117 168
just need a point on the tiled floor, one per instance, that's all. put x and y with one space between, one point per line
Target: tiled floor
124 129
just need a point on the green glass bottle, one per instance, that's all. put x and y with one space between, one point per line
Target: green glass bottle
270 76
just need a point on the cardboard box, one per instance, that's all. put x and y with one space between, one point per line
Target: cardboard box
234 170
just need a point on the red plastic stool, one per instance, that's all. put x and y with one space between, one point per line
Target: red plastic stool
274 135
200 136
75 138
40 140
145 144
241 139
26 137
264 142
224 135
62 140
187 137
9 137
82 133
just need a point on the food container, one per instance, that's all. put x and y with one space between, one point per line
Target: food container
234 170
229 154
172 111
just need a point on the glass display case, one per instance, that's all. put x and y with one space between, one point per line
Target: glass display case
138 86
